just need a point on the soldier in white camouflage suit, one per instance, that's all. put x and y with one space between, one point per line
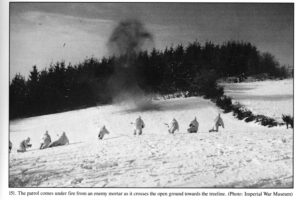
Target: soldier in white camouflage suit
173 126
218 122
45 141
138 126
102 132
62 140
193 126
24 145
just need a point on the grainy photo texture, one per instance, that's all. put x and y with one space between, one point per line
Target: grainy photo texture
130 95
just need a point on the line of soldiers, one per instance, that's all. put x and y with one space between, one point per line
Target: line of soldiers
138 130
194 124
45 142
172 127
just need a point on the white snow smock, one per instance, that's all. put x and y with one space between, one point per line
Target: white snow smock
62 140
193 127
173 126
138 126
45 141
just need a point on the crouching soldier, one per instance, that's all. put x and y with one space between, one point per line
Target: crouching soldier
138 126
102 132
45 141
288 120
24 145
173 126
193 127
62 140
10 146
218 122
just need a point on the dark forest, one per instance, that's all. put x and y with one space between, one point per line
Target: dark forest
194 69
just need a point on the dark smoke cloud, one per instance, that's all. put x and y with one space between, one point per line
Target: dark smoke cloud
125 42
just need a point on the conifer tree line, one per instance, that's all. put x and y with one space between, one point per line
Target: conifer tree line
193 69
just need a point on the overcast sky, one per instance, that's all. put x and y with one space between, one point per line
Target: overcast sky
41 33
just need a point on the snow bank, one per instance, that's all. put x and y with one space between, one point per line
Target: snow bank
271 98
241 155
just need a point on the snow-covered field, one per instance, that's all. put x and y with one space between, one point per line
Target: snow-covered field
241 155
271 98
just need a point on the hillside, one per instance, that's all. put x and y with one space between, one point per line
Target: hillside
241 155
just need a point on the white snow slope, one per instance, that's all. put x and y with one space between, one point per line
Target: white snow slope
241 155
271 98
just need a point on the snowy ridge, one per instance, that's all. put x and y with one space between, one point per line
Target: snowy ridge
271 98
241 155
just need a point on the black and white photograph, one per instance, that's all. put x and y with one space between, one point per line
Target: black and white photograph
151 95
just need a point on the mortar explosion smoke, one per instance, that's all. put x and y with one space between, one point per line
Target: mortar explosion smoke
126 41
